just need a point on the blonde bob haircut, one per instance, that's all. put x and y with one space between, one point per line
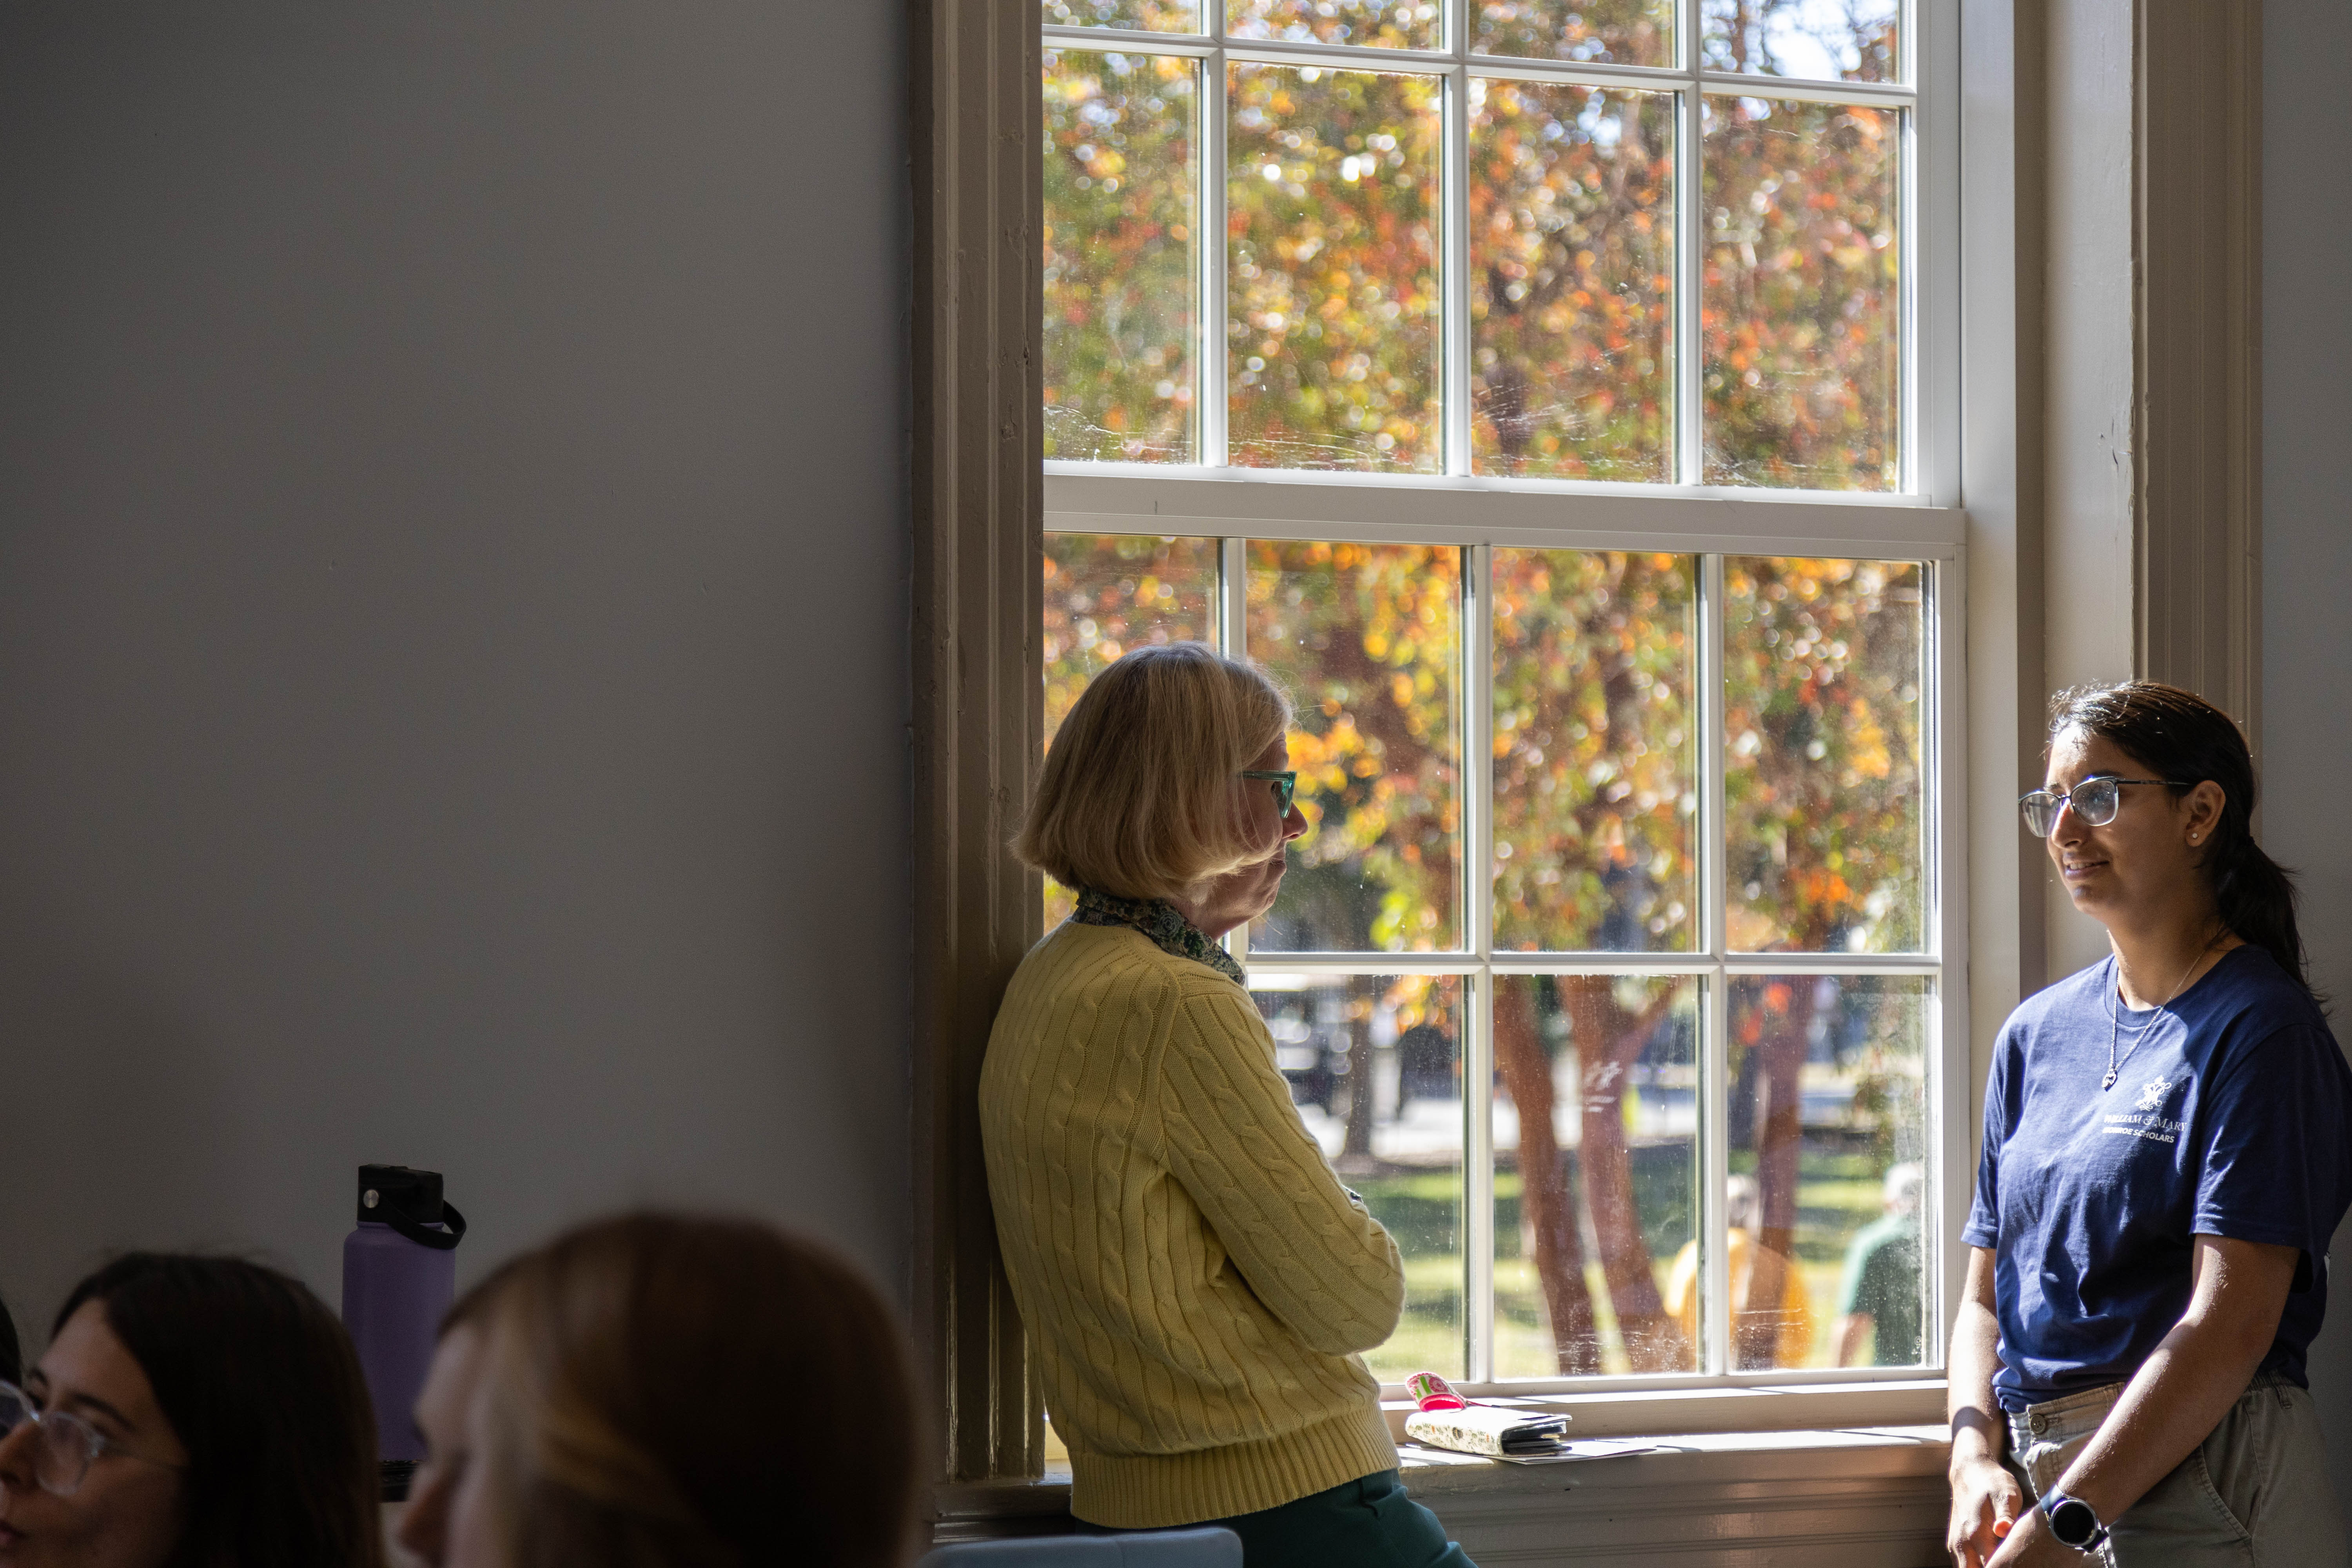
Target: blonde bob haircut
1140 797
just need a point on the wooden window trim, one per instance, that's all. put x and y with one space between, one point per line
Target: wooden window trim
978 704
2197 393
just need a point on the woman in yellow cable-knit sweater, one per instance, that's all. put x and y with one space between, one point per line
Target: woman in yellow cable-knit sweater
1198 1285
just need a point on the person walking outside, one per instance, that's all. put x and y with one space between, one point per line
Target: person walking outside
1878 1294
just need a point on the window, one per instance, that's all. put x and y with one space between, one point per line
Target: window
1555 395
1531 237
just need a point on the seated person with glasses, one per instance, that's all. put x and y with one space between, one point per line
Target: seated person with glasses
2165 1162
190 1410
1198 1285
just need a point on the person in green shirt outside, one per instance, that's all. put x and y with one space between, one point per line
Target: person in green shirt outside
1881 1289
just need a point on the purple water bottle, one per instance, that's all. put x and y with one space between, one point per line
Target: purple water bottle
400 1274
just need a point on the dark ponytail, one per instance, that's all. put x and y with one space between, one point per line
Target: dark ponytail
2180 737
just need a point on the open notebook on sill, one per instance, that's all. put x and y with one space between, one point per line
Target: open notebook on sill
1445 1420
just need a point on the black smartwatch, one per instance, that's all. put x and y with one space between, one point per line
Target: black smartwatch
2075 1523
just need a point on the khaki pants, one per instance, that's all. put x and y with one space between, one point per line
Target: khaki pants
2255 1494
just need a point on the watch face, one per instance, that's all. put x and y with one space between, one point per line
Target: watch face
2073 1522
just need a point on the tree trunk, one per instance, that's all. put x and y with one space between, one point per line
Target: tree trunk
1612 1039
1779 1132
1550 1210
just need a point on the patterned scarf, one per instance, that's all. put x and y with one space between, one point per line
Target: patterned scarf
1158 919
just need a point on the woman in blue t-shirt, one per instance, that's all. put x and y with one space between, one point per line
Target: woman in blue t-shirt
2164 1159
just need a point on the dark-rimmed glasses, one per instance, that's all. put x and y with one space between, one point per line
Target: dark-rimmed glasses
1285 784
2095 800
65 1446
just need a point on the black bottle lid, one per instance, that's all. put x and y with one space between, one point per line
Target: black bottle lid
390 1193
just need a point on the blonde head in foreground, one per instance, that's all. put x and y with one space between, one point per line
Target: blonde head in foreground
668 1391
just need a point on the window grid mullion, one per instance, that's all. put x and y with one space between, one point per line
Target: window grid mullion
1232 640
1689 212
1907 469
1210 375
1477 775
1907 43
1714 1053
1454 279
1454 271
1934 757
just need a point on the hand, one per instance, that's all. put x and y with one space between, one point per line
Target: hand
1986 1501
2029 1544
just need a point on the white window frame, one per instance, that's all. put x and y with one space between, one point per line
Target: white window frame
1920 522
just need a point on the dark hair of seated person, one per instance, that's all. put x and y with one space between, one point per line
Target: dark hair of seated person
263 1389
12 1354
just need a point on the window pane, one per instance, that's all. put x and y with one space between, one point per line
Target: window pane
1571 280
1375 1066
1596 751
1388 24
1105 593
1619 32
1366 638
1156 16
1821 40
1802 314
1596 1134
1828 1143
1121 269
1332 334
1822 755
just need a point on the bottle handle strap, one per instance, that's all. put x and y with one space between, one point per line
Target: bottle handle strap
424 1235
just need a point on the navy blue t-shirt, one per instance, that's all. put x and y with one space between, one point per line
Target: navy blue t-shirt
2227 1120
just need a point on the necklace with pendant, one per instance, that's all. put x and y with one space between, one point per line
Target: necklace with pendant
2115 1016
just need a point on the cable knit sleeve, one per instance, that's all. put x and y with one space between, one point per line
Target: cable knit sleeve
1306 1246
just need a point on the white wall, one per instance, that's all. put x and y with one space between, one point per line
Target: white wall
452 619
2307 541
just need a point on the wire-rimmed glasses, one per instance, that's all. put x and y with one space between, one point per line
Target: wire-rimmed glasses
1285 784
65 1446
2095 800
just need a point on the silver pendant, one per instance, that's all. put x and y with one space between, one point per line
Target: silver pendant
2109 1081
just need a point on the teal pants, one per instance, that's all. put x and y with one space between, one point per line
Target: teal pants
1367 1523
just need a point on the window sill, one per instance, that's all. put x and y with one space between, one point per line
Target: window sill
1693 1460
1858 1498
1855 1497
1810 1407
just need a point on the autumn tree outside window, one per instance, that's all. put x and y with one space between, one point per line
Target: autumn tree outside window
1554 395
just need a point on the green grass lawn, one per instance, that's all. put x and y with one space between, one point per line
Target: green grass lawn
1837 1194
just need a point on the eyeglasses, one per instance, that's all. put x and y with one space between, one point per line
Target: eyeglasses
64 1445
1285 784
2095 801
